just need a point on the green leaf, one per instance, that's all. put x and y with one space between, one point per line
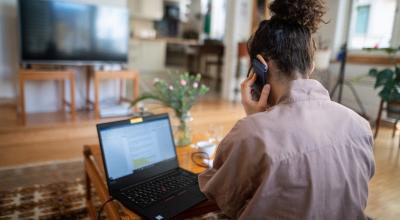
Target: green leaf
383 77
389 51
385 94
395 95
373 72
146 96
174 93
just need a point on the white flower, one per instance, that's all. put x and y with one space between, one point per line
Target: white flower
171 87
183 82
156 80
195 85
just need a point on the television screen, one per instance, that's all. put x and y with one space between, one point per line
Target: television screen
62 32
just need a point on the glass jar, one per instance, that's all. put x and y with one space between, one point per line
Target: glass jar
183 133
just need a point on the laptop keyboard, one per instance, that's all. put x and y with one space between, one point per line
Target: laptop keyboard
164 187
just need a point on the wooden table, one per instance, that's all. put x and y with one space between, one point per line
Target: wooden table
94 174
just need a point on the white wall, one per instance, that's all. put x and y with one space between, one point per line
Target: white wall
8 48
218 19
337 16
396 32
327 31
238 26
40 96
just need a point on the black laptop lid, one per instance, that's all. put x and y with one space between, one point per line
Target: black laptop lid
136 149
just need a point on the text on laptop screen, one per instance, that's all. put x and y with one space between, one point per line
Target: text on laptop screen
135 146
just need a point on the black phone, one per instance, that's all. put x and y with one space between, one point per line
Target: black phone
261 70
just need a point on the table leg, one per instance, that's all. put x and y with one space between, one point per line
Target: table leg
22 99
96 98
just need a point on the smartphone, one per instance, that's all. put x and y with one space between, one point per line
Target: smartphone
261 70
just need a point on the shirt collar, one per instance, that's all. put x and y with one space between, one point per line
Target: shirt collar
305 90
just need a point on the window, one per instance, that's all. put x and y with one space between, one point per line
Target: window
372 23
362 19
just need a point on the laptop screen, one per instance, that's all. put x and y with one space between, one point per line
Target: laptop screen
132 147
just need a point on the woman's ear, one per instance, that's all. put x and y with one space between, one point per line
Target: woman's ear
261 59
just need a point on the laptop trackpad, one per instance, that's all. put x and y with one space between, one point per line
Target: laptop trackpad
178 203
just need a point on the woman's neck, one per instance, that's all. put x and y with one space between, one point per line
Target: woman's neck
280 88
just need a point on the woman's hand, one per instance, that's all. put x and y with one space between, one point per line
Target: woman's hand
251 106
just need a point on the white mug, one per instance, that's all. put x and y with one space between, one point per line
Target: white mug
206 147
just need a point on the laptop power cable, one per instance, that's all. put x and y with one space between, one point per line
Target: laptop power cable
102 207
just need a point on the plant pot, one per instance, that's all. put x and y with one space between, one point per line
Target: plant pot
393 109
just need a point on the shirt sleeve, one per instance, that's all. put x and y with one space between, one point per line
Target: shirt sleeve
236 171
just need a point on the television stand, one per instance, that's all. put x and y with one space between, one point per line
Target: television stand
42 74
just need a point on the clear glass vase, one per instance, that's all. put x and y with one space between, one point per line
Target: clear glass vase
183 133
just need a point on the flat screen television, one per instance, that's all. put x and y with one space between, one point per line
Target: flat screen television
54 31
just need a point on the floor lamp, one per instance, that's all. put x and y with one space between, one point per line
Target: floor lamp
342 57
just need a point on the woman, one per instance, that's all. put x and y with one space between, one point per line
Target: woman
297 154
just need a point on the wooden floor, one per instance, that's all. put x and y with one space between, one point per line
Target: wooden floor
53 136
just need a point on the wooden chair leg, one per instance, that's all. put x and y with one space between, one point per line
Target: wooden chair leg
62 95
219 73
136 87
378 119
135 90
22 99
88 193
72 92
88 78
122 90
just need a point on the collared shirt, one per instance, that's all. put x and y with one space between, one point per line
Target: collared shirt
305 158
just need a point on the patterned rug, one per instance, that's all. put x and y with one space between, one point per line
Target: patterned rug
54 190
51 191
62 200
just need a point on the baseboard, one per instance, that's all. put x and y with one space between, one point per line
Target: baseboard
9 102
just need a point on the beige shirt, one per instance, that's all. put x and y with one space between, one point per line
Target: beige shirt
305 158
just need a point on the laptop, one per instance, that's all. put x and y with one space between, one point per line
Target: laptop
142 169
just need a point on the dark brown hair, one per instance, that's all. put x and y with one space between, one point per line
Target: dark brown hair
286 37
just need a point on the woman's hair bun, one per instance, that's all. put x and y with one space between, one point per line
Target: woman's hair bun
303 12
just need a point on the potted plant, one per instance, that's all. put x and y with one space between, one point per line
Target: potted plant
388 83
180 94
